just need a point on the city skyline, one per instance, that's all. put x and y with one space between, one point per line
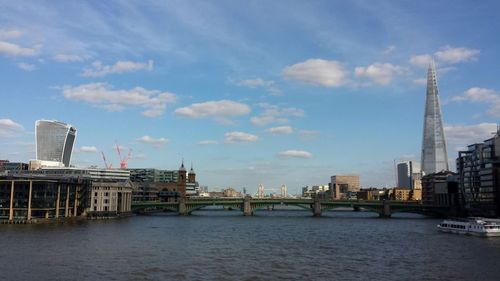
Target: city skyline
251 93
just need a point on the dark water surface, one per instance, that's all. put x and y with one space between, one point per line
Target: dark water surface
218 245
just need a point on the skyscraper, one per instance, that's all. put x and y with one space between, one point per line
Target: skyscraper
54 141
434 154
408 173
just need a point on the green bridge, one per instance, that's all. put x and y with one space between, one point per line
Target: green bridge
248 205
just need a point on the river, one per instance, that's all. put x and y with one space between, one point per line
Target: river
223 245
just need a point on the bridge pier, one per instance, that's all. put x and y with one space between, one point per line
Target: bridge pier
182 207
316 207
247 207
386 210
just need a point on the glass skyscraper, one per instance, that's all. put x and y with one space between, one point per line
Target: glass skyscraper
434 153
54 141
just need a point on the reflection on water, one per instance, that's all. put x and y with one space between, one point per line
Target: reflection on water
223 245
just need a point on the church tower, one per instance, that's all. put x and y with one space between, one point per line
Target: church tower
181 179
191 175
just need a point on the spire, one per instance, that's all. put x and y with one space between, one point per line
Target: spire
434 153
191 171
182 166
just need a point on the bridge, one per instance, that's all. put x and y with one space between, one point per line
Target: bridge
248 205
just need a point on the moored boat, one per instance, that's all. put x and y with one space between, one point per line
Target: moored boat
471 226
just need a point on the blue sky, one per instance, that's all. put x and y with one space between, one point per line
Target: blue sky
251 92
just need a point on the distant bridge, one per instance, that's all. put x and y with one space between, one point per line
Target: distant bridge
249 205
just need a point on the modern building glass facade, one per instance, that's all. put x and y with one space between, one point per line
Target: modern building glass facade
479 177
54 141
434 153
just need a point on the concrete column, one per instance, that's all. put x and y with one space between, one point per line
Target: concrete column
11 205
130 201
75 207
66 208
58 200
247 207
386 210
182 206
316 207
29 200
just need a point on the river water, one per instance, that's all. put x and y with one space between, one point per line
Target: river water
223 245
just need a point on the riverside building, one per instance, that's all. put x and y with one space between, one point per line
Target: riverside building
163 185
479 177
52 194
343 186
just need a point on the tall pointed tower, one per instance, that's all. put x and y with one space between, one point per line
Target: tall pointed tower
434 153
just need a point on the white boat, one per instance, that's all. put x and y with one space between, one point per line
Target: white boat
471 226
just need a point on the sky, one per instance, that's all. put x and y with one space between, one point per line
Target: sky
249 92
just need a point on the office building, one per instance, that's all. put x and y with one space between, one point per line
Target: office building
48 194
400 194
479 177
6 165
163 185
440 189
54 143
434 153
344 186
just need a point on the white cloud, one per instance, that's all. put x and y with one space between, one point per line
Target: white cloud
456 55
317 72
208 142
9 128
479 95
68 58
469 134
255 83
99 70
295 154
421 60
102 94
27 66
275 114
10 33
282 130
11 49
221 110
380 73
390 49
239 137
156 142
482 95
89 149
446 55
268 85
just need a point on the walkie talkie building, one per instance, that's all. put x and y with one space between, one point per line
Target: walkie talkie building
434 153
54 141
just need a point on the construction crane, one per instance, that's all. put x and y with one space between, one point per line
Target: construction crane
110 166
123 161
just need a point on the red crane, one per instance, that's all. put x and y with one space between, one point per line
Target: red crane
123 161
